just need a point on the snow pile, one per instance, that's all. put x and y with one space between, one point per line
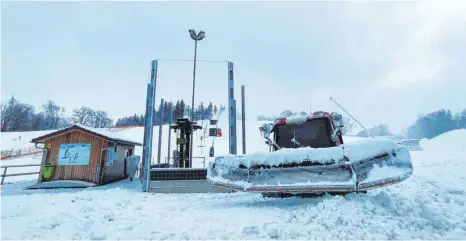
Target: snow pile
369 147
443 158
355 150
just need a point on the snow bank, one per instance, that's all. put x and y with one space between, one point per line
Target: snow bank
443 159
355 150
454 140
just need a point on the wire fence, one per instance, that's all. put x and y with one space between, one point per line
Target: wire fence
12 153
5 168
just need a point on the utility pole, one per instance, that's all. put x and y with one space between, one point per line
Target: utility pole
196 37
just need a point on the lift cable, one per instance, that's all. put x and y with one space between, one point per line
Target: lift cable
192 60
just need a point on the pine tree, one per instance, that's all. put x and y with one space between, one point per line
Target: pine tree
200 112
209 110
165 112
182 108
170 112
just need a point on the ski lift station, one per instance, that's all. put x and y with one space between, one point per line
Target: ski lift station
179 175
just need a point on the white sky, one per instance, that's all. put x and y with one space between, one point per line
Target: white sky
385 62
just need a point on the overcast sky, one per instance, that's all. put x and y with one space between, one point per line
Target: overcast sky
385 62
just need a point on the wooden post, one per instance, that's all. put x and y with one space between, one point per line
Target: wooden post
4 173
42 163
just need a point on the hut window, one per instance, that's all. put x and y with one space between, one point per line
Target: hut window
128 152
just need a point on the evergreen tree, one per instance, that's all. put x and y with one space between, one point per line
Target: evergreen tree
200 115
165 112
209 110
182 108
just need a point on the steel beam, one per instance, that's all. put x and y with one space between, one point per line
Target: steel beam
148 128
231 110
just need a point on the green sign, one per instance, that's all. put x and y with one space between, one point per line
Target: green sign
181 141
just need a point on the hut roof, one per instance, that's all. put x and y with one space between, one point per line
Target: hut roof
98 132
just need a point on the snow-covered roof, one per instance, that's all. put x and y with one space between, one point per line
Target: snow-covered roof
102 133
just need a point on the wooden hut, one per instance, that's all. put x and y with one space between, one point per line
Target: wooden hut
80 153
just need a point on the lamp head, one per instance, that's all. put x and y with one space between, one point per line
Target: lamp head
199 36
193 34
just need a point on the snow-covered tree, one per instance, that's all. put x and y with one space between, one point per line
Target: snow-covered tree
348 124
83 116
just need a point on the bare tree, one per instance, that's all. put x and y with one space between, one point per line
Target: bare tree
83 116
286 113
348 125
101 120
54 115
16 116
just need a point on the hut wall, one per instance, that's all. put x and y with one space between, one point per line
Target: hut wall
116 171
83 173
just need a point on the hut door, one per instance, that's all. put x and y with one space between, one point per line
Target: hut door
102 167
128 152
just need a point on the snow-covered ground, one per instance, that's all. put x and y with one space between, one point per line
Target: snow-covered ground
431 204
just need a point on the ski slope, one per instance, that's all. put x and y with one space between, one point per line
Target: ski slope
429 205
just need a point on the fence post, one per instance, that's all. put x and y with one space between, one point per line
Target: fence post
4 173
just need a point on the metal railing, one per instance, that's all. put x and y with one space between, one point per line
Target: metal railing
175 160
411 144
5 154
18 174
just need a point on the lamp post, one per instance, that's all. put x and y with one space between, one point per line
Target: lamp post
196 37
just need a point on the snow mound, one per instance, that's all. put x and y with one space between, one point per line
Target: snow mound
451 140
355 150
443 159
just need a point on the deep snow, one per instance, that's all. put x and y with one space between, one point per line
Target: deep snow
429 205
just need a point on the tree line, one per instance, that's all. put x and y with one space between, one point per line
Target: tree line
436 123
179 110
426 126
17 116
